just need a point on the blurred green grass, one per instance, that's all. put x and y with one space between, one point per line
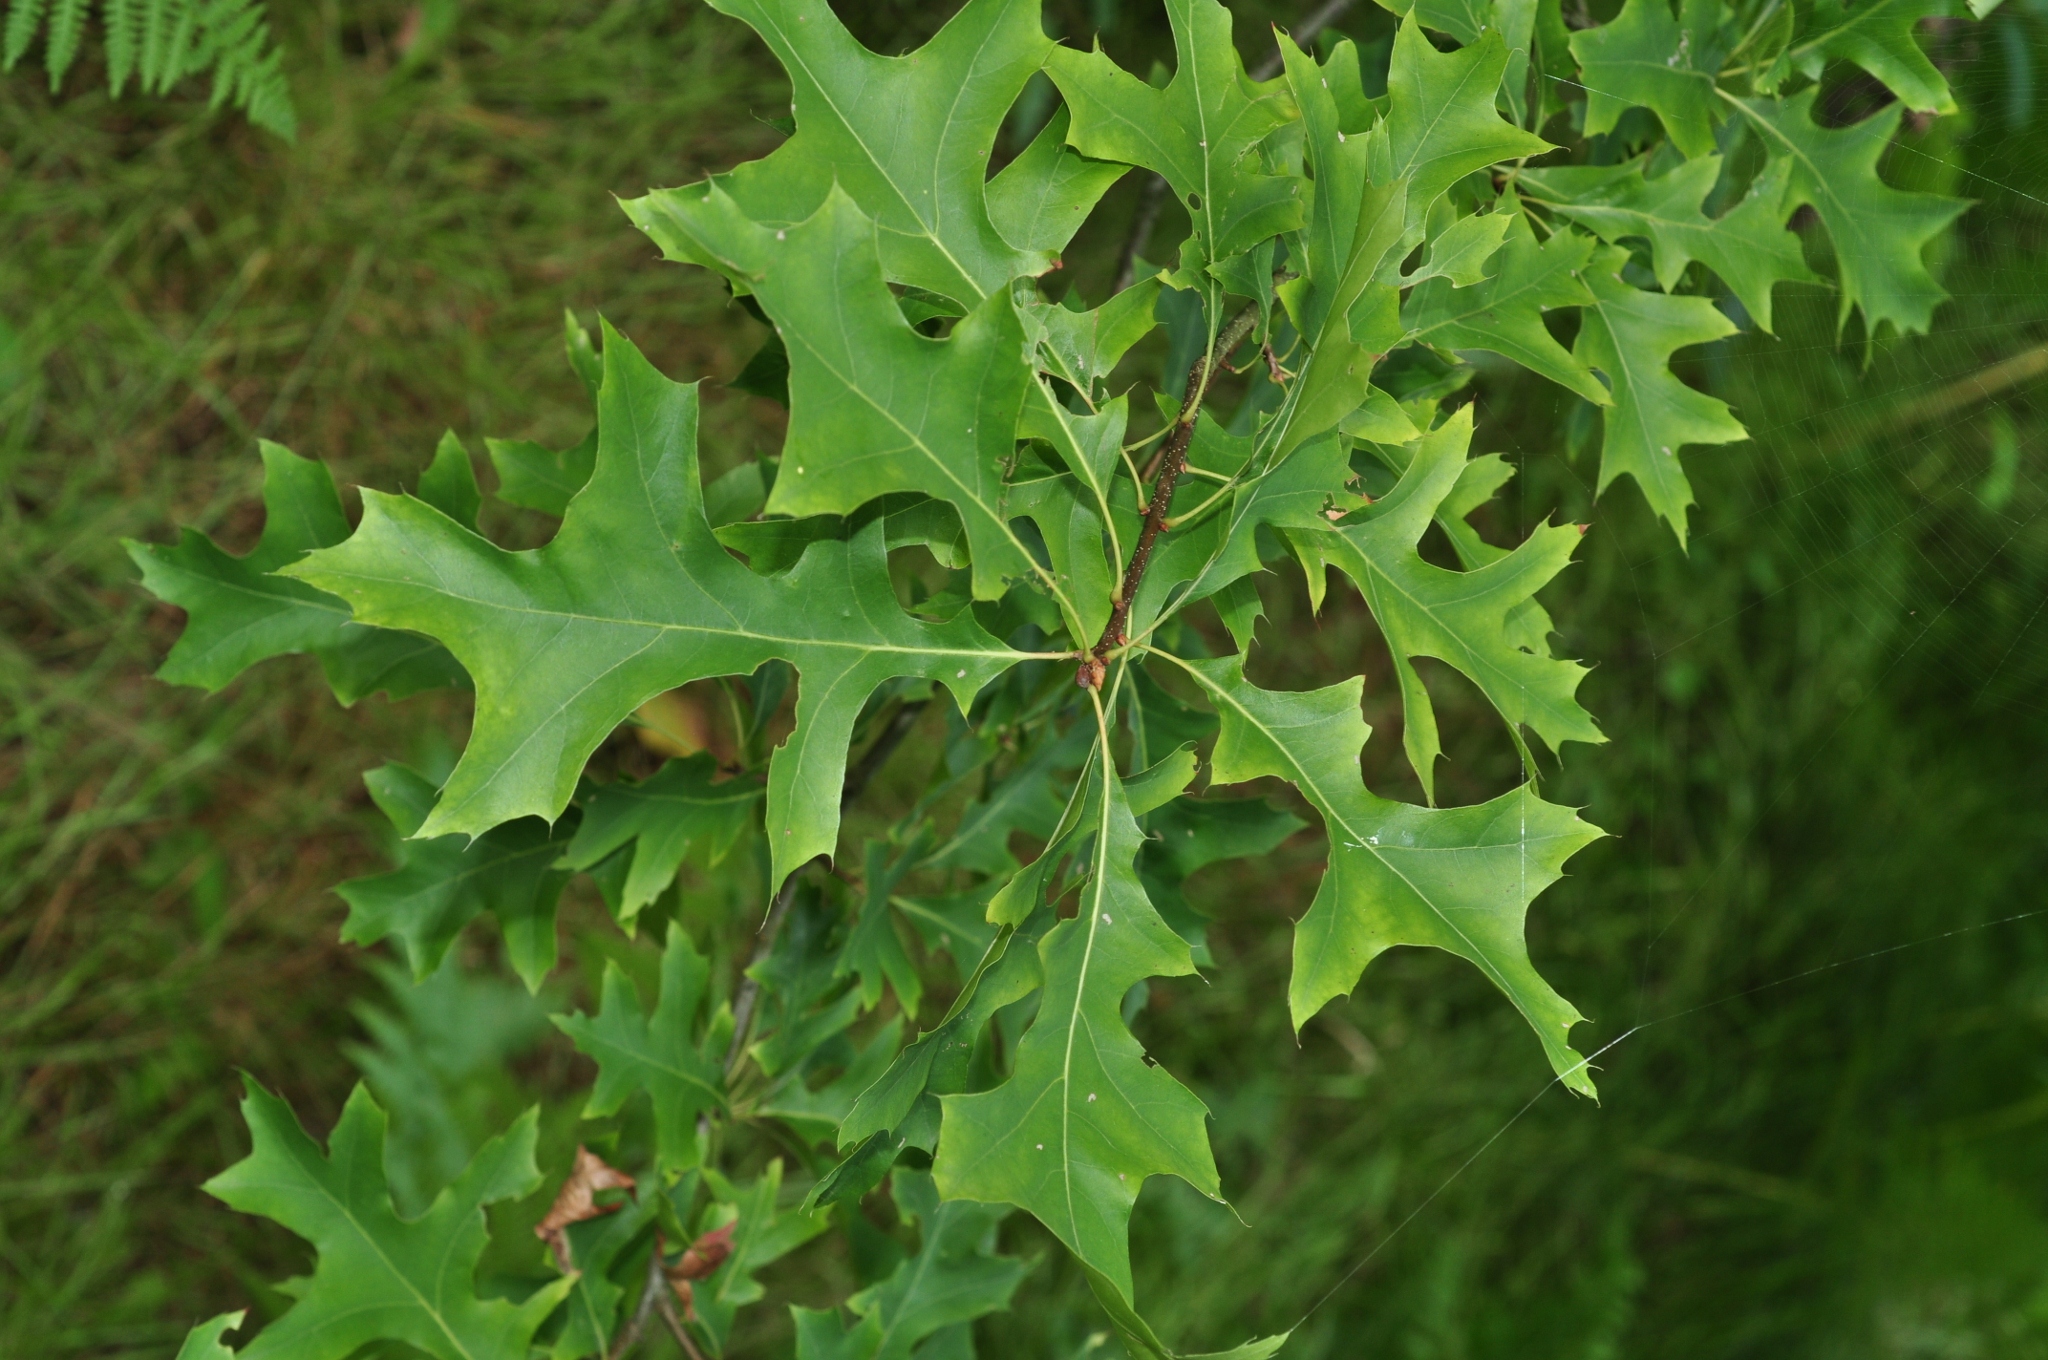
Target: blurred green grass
172 285
1828 722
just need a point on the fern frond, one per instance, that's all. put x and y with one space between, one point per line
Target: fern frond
67 24
161 43
122 21
24 17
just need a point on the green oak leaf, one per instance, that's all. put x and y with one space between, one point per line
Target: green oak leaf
1071 527
1459 617
1878 36
1879 232
1504 314
1353 226
804 1002
1028 798
381 1277
822 1334
909 139
954 924
1629 334
774 545
763 1234
1528 624
660 1055
1441 122
1142 1343
898 1104
817 1114
956 1276
1084 345
1464 20
1043 196
1461 251
1645 56
443 882
1749 246
1083 1119
656 822
595 1246
1458 879
535 477
632 597
1200 132
874 406
204 1341
873 951
238 613
1190 834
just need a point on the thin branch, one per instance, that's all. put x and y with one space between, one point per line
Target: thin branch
1303 34
871 761
1172 461
1141 231
1965 391
650 1295
878 754
667 1308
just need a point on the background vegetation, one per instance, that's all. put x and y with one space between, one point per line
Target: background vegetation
1825 784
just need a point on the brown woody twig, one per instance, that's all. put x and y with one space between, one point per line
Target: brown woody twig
650 1295
1171 461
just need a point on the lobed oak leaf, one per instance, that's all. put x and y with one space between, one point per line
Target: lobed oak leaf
660 1054
1749 245
635 596
1199 132
443 882
379 1277
1083 1120
909 139
1630 334
1645 56
1457 879
1459 617
1879 233
239 612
